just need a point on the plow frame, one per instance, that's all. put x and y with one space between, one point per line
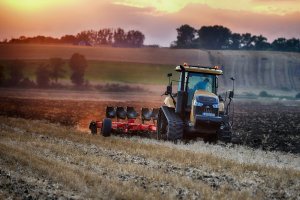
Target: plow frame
127 121
129 126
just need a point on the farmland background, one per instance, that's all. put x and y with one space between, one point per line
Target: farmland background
46 151
256 70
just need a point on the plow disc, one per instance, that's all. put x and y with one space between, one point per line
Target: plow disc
125 120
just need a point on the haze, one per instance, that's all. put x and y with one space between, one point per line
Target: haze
157 19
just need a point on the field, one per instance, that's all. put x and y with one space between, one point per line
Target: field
264 125
133 55
47 152
99 72
61 160
254 70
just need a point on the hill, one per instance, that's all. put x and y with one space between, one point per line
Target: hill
136 55
252 69
259 69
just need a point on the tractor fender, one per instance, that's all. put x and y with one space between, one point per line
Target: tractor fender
175 123
169 102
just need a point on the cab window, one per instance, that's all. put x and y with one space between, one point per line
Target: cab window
197 81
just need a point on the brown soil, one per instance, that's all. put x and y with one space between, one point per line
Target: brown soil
271 126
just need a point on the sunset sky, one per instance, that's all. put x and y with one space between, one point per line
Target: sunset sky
157 19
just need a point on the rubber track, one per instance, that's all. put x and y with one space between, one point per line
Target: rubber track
175 123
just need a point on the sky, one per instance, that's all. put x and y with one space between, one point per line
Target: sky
157 19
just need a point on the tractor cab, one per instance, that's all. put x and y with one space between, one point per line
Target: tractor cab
199 84
194 81
200 79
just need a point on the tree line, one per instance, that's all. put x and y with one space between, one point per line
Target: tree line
47 73
220 37
107 36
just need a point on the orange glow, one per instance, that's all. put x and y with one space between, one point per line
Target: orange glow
27 5
157 19
32 5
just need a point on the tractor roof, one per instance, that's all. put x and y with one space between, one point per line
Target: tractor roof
201 69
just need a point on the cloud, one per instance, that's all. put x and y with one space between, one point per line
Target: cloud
159 27
157 5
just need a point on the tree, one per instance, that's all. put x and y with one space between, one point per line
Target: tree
84 38
185 36
69 39
135 38
235 41
78 64
214 37
260 42
105 36
119 37
279 44
247 41
293 45
43 76
93 37
56 68
16 72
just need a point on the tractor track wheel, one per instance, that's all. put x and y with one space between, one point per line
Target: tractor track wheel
162 126
225 133
106 127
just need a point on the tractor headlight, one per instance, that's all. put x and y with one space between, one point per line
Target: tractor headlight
197 103
215 105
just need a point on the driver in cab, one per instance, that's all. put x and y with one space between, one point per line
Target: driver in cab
201 85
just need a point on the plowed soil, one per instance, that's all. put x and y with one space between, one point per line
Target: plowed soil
46 152
263 125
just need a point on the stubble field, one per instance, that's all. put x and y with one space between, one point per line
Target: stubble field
56 158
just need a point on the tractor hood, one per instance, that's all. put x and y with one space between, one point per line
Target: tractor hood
204 104
205 93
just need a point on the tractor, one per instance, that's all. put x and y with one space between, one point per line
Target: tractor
194 110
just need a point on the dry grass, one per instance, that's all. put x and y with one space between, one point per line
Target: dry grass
126 168
239 154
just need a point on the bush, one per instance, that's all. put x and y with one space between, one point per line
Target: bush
16 72
43 76
27 83
264 94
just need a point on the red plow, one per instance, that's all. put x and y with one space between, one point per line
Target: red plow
122 120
